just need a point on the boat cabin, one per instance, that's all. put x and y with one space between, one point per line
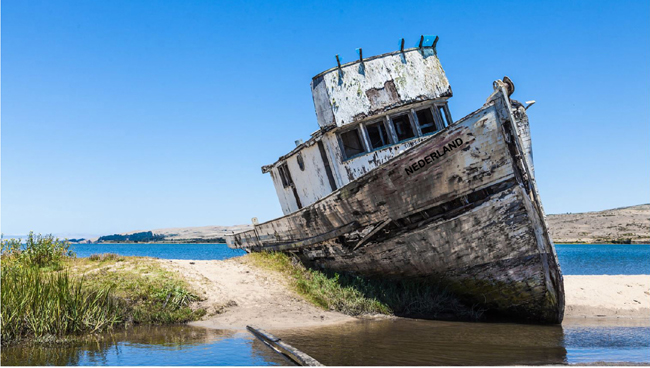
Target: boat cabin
368 111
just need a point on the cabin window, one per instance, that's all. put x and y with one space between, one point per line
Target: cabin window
403 127
445 116
426 121
285 176
377 134
351 141
301 162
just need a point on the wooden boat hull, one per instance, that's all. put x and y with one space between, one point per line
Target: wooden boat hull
460 208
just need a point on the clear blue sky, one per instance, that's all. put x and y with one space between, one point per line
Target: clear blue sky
126 115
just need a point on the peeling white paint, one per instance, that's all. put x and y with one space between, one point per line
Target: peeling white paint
358 90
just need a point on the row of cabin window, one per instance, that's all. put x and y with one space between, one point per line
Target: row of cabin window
285 175
407 125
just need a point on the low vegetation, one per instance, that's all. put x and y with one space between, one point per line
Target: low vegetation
48 293
354 295
141 237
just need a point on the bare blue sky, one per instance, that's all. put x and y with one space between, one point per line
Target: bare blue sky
125 115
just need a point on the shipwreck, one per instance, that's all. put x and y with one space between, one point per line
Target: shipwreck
390 186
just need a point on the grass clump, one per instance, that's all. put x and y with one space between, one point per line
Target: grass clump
355 295
152 294
41 303
48 293
326 291
103 257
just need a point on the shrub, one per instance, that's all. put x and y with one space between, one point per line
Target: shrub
38 250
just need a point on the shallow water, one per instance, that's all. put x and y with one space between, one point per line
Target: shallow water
421 342
369 342
152 345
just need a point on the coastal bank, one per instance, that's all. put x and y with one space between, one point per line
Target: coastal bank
274 293
237 293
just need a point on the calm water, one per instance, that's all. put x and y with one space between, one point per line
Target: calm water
385 342
604 259
421 342
575 259
153 345
168 251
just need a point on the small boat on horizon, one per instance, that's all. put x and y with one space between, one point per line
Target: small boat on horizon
390 187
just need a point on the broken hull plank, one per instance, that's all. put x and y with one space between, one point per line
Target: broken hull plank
460 207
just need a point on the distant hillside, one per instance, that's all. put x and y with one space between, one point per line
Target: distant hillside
202 234
618 225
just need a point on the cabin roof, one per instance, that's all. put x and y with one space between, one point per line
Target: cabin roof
372 86
315 137
351 63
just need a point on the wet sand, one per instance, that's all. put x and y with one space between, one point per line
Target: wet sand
238 294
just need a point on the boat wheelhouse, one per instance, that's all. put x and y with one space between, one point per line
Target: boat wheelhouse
368 111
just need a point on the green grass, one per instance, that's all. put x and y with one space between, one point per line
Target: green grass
153 294
48 293
354 295
41 303
38 251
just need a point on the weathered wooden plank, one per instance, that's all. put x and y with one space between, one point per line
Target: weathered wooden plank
310 241
283 348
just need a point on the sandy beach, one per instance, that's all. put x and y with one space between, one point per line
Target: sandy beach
238 294
607 297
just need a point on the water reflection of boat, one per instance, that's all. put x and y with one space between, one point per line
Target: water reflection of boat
389 187
428 343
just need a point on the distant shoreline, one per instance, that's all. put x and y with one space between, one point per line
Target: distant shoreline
602 243
606 242
204 241
624 225
216 242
